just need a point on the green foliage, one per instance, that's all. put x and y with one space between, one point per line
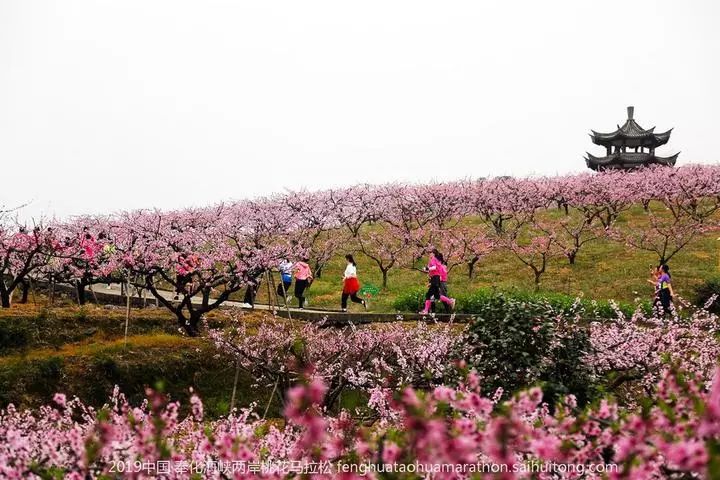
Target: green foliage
81 314
566 373
91 375
517 343
21 334
410 300
707 289
14 334
23 381
560 304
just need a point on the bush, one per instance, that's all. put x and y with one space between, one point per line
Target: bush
517 343
32 382
410 301
559 303
475 303
50 329
705 291
14 334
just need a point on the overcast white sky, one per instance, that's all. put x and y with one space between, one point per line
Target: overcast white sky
108 105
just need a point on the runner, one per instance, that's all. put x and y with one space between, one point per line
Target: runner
433 270
665 289
252 289
184 268
351 285
443 281
283 288
303 279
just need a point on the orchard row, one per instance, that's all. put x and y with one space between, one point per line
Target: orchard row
210 253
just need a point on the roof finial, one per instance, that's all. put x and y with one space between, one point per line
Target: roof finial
630 110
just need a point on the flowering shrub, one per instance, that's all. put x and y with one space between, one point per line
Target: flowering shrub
516 343
449 432
632 351
279 353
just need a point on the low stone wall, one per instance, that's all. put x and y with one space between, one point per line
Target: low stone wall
103 298
330 317
342 318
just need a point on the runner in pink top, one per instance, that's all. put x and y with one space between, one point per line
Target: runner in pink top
443 272
443 280
303 278
302 271
21 240
435 268
434 265
184 268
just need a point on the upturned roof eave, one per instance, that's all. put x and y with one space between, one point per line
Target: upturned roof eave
628 160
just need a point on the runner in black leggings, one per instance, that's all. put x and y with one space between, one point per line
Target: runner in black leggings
303 278
433 293
351 285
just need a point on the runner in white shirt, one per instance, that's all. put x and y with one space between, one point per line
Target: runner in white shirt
351 285
283 288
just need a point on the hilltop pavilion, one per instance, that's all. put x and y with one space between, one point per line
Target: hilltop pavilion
630 146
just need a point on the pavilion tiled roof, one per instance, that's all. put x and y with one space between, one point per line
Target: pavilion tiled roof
631 133
628 160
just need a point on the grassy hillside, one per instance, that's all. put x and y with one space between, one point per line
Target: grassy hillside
81 351
604 269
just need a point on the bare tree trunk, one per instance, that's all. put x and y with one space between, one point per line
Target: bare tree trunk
25 291
127 315
471 267
538 272
571 257
4 298
234 390
191 325
498 226
80 290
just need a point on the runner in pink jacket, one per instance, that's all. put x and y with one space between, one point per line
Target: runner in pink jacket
435 270
303 279
443 280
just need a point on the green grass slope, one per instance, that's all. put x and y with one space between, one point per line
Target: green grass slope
82 352
604 270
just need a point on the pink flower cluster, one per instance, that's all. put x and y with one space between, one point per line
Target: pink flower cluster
210 253
636 350
449 431
367 357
